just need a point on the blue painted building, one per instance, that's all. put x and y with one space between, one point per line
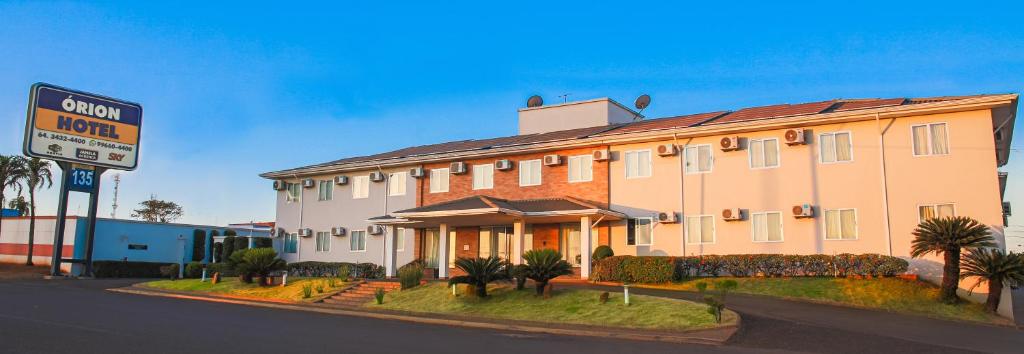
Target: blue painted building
9 213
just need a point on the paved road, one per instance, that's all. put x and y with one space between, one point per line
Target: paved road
80 317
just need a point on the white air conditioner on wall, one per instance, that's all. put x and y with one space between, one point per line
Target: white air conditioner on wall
457 168
669 217
503 165
374 230
377 176
417 172
342 180
308 183
552 160
795 137
338 231
803 211
280 185
305 232
729 143
732 214
667 150
602 155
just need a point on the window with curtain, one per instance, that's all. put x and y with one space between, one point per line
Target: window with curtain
529 173
396 183
430 248
835 147
483 176
766 226
581 168
291 243
638 164
698 158
570 240
400 238
325 190
294 191
930 139
840 224
640 231
439 180
764 153
357 241
930 211
323 241
700 229
360 187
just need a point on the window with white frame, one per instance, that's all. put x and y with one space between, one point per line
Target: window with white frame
400 238
764 153
835 147
323 241
325 190
294 191
581 168
357 240
483 176
291 243
930 139
638 164
439 180
698 158
930 211
841 224
640 231
396 183
700 229
529 173
360 187
766 226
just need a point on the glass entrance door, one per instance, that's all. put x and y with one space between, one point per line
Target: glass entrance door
495 241
430 248
569 243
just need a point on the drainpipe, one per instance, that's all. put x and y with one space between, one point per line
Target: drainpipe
384 242
885 186
302 201
682 177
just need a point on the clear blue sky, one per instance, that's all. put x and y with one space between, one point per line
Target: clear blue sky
233 90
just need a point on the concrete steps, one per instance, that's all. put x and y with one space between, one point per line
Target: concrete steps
360 293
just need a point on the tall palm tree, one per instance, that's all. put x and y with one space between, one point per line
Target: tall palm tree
995 267
19 204
479 272
12 168
37 175
947 237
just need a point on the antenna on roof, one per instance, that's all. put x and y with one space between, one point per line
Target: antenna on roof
534 101
641 103
565 97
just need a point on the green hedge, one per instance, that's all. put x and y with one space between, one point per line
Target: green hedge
225 269
194 270
263 242
634 269
330 269
122 269
198 245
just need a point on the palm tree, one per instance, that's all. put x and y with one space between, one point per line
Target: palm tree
995 267
11 170
37 175
479 273
947 237
543 265
19 204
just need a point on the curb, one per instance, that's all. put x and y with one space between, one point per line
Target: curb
691 337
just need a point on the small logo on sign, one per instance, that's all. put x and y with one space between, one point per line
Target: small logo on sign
54 149
115 156
91 155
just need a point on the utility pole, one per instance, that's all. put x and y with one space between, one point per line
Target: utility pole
113 210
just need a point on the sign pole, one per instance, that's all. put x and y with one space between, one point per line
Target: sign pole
90 236
62 213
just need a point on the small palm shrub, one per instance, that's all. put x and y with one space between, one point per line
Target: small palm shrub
946 237
543 265
332 282
602 252
259 262
410 274
519 272
307 290
996 268
479 273
319 288
379 296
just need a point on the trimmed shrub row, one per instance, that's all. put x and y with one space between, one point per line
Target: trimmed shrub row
330 269
122 269
664 269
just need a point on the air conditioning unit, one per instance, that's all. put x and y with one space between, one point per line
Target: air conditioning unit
795 137
730 143
503 165
308 183
377 176
374 230
305 232
342 180
417 172
1006 209
280 185
732 214
338 231
457 168
668 217
602 155
803 211
552 160
667 150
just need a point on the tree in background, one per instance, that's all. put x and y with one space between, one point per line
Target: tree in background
37 175
216 250
155 210
198 245
227 249
946 237
241 243
11 170
19 204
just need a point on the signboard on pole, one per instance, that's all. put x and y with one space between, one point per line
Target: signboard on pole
83 128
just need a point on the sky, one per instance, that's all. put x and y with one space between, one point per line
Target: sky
231 90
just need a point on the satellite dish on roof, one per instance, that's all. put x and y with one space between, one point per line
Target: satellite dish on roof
534 101
642 102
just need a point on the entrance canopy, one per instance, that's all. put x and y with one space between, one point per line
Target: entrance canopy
483 210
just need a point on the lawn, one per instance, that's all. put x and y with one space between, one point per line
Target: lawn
891 294
234 287
571 306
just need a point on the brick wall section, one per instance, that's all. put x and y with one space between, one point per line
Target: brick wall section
554 181
467 236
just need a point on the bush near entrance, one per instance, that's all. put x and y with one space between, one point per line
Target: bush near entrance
649 269
331 269
121 269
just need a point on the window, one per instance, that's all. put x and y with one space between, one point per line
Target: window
640 231
638 164
439 180
291 243
294 192
325 191
698 158
494 242
323 241
396 183
766 226
483 176
581 168
764 153
529 173
930 211
841 224
400 239
360 187
357 241
836 147
700 229
930 139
